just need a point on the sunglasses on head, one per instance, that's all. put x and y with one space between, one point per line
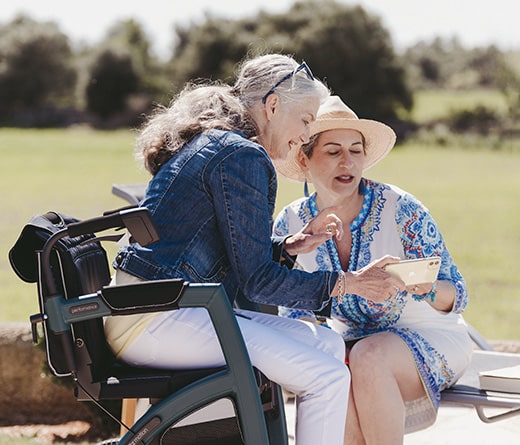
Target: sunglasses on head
303 66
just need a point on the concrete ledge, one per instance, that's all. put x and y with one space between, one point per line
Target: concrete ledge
511 346
28 393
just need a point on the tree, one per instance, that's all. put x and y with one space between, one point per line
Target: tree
352 51
343 45
128 36
508 81
123 77
208 50
487 63
445 63
112 81
36 68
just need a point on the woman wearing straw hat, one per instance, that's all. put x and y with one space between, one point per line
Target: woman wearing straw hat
404 347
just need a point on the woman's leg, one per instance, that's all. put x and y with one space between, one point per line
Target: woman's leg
304 358
384 376
308 360
318 337
353 434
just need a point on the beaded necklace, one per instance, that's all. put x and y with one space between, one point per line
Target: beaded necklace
350 304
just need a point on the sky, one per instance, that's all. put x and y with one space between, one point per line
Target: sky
474 22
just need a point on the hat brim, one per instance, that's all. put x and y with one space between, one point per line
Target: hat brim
379 140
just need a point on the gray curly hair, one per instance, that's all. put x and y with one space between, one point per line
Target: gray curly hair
196 109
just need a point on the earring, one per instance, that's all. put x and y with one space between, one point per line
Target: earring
306 188
362 187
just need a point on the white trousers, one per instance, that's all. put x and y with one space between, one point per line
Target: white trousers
304 358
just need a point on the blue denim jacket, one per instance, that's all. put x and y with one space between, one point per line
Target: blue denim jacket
213 204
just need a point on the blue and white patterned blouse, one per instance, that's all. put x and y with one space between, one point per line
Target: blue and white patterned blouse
391 222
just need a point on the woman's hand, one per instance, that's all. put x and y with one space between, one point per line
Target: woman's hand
321 228
373 282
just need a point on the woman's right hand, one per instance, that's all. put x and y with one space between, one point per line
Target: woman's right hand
373 282
318 230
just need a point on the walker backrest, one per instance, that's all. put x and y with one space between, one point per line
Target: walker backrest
78 269
79 266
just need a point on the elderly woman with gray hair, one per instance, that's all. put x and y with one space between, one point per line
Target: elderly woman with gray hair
212 197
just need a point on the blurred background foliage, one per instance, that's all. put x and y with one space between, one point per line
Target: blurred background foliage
46 82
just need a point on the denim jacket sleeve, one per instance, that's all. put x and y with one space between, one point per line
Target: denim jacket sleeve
279 253
243 186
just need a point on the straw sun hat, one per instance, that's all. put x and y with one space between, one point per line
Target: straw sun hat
334 115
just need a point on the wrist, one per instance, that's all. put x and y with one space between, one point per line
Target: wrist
340 284
349 283
344 283
288 247
430 295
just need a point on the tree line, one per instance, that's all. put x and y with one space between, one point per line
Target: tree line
45 82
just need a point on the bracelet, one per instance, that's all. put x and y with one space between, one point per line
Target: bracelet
341 283
430 295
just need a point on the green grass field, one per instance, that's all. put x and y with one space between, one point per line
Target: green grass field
435 104
71 171
473 195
